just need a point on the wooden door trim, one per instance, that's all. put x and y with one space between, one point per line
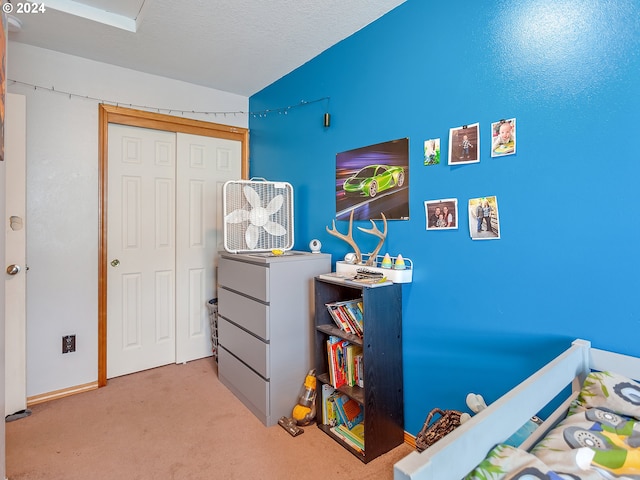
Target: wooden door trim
137 118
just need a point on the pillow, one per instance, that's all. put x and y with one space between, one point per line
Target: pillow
595 443
610 390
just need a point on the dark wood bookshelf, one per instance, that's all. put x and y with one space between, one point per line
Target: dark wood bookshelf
382 395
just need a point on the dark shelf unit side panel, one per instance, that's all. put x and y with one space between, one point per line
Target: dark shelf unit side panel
383 372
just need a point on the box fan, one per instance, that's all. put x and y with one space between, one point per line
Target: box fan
258 215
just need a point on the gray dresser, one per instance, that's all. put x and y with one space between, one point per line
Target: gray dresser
265 327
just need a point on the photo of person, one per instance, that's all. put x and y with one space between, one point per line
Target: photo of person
503 138
464 144
432 151
441 214
484 223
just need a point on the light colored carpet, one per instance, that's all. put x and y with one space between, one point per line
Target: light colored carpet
172 422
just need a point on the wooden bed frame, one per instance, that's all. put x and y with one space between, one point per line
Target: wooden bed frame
461 451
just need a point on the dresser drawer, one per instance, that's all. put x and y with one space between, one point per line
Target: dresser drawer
251 350
242 380
246 312
248 278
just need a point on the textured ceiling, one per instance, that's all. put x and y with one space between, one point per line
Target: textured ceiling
237 46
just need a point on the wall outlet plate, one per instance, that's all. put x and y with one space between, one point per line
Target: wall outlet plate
68 344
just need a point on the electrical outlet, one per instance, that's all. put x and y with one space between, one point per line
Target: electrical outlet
68 343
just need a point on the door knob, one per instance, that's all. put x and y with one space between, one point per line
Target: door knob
13 269
115 263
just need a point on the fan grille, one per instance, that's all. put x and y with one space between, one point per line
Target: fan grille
235 232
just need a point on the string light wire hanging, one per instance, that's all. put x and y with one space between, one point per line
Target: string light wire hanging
256 114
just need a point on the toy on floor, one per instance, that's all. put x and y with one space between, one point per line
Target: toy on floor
304 412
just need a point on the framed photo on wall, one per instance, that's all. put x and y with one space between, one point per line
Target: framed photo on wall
432 151
484 223
464 144
442 214
503 138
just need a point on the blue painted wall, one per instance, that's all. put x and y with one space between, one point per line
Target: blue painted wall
482 315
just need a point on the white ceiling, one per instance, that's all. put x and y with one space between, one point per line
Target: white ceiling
237 46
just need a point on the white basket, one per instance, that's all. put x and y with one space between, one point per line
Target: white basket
395 275
212 306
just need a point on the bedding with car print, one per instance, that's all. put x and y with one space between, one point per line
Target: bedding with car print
599 439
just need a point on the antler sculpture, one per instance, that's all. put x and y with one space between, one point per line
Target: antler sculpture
349 238
381 235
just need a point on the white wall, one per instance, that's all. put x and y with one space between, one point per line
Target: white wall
62 195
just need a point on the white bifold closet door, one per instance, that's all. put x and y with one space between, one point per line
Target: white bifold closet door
164 229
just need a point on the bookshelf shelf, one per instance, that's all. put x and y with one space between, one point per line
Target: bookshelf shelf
335 331
326 429
354 392
381 397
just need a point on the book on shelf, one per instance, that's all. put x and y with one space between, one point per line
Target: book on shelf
329 414
349 411
337 276
351 322
336 356
354 355
358 432
370 282
332 369
340 319
345 363
355 434
354 279
339 432
348 316
359 368
356 310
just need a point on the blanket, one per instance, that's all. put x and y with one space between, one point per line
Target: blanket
599 439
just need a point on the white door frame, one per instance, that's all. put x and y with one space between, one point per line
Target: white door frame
138 118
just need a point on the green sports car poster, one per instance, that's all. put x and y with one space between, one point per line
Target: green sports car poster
373 180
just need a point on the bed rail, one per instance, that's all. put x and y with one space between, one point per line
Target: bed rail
614 362
458 453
